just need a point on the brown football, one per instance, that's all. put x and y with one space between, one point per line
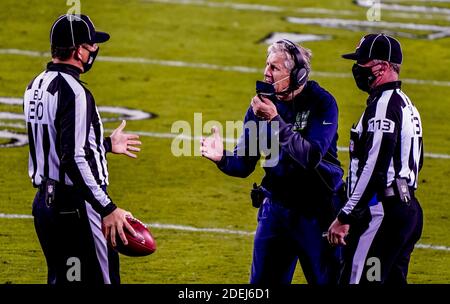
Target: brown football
140 245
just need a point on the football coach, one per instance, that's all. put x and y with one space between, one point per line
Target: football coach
67 161
295 198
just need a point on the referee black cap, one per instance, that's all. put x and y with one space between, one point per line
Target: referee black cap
73 30
377 46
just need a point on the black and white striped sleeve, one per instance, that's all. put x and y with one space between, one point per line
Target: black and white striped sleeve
75 112
381 127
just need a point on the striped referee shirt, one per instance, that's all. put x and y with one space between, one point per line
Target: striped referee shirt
384 145
65 135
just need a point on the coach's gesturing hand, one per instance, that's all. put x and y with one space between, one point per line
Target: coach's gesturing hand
212 146
123 143
114 224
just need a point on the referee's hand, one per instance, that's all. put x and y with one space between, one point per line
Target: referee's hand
337 232
114 224
123 143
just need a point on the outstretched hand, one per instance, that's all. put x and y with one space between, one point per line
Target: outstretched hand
123 143
212 146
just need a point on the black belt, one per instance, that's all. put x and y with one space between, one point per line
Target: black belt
389 191
62 189
58 188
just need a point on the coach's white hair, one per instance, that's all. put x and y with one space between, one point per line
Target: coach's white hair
281 47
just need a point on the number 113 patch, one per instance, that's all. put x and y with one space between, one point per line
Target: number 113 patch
384 125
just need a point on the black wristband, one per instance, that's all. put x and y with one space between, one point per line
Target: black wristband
108 209
222 161
344 218
107 144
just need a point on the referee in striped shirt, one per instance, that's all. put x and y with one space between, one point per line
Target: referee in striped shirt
67 161
386 155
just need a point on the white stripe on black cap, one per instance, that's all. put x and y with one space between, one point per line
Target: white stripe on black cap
71 29
373 42
53 27
89 30
390 47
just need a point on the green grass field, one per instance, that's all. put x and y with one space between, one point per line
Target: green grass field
161 188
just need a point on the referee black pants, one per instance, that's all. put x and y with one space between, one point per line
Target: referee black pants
389 234
70 234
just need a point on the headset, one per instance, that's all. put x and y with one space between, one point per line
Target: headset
299 74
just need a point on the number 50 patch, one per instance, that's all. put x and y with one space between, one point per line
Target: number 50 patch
384 125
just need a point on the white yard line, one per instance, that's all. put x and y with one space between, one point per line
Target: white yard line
394 9
209 230
425 1
405 8
183 64
254 7
195 229
334 22
310 10
18 139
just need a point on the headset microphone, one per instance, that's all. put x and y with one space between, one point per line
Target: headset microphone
281 80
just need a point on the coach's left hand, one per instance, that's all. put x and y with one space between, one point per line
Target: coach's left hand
123 143
264 108
337 233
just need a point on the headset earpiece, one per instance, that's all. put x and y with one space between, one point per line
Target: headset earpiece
299 74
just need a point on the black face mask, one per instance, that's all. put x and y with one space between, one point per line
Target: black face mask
88 65
364 77
267 90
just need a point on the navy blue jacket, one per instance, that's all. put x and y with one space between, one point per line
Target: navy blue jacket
307 171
